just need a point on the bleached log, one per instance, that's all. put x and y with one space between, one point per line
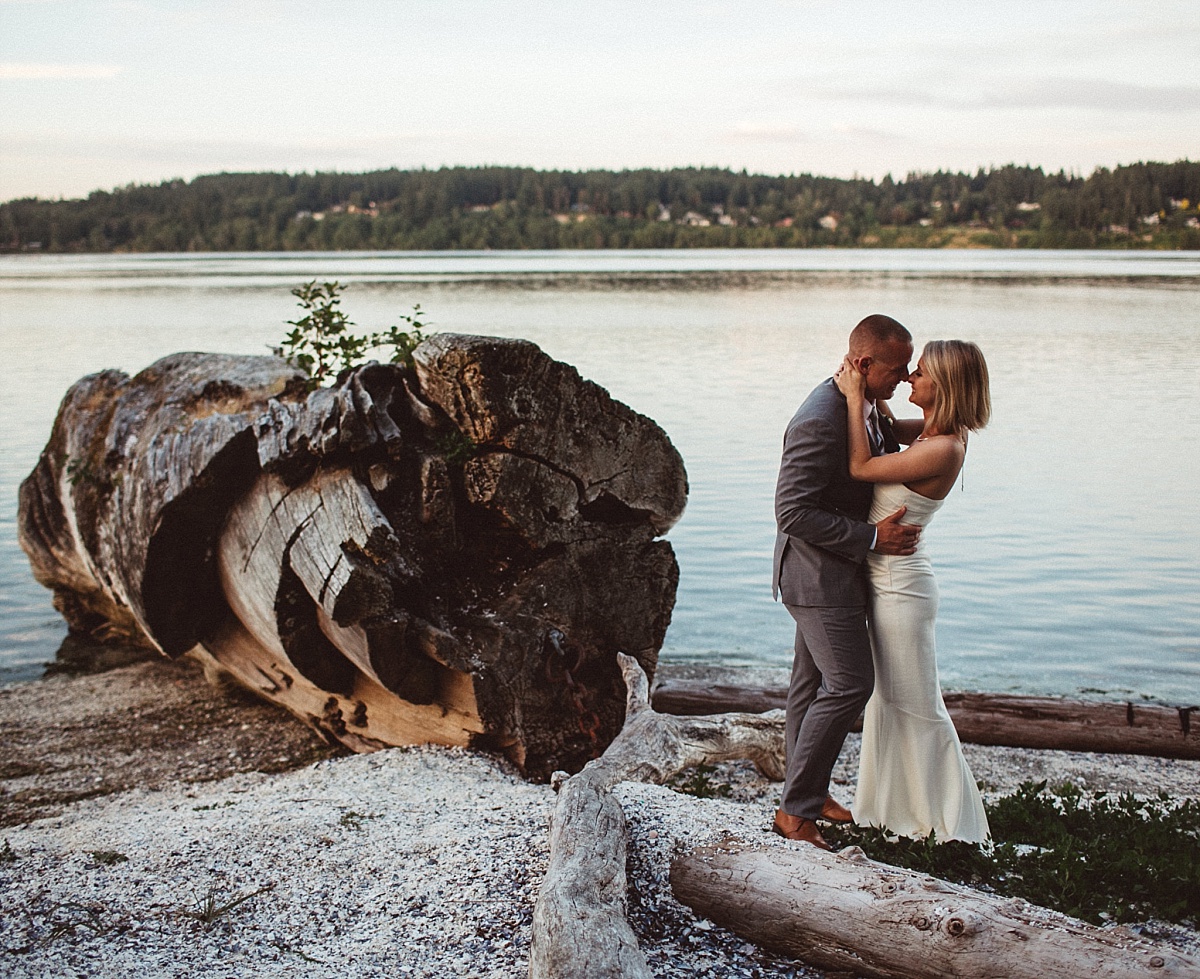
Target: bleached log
846 913
1012 720
580 923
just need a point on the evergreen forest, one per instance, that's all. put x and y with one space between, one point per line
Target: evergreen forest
1140 205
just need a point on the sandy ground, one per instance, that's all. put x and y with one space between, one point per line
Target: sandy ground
68 738
157 826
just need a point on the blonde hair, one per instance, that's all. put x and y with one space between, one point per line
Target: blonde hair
962 397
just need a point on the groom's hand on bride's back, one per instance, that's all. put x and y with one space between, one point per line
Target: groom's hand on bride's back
894 537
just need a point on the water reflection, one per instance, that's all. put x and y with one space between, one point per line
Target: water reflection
1067 562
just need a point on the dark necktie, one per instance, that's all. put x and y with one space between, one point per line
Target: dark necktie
876 435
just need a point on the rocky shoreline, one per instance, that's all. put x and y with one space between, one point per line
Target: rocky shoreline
155 825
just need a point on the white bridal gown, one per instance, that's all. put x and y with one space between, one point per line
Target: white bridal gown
912 777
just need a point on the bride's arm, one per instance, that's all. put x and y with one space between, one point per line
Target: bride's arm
937 456
906 430
934 457
851 383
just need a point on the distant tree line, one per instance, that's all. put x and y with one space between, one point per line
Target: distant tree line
1142 205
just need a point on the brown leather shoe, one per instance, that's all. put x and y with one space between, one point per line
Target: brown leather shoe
794 828
835 812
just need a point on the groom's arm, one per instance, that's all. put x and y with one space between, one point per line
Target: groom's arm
810 463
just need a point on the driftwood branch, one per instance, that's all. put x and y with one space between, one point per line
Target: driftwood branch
839 911
1055 723
847 913
580 925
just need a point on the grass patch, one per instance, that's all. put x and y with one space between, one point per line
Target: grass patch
698 781
354 820
211 908
1094 856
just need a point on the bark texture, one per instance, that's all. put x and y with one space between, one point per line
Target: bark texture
847 913
449 553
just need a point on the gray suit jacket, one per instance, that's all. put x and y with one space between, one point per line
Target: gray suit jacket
821 513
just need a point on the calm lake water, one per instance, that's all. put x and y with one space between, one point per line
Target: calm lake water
1069 562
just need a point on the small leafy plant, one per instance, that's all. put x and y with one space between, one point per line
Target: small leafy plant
1091 855
404 342
455 446
322 344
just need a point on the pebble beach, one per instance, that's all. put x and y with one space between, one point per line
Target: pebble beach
155 826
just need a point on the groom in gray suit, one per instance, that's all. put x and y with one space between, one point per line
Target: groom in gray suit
820 548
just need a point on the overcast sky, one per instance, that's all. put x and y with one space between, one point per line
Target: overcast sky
100 93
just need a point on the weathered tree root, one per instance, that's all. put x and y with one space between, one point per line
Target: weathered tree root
839 911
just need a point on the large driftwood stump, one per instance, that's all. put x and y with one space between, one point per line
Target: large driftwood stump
841 911
451 553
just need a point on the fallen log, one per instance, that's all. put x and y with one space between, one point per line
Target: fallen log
452 552
1075 725
847 913
841 911
580 924
1011 720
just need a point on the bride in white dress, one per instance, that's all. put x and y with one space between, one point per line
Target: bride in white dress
912 777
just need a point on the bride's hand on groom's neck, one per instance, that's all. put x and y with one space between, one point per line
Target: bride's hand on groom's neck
850 381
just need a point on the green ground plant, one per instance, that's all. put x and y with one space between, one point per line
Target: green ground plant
1092 855
211 908
698 781
354 820
322 344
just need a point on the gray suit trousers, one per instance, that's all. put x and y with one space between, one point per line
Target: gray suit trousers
832 680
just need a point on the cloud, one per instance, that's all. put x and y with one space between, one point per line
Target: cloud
1086 93
769 132
872 134
1045 93
25 71
200 153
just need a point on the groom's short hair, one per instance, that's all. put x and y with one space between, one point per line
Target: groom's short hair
877 330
